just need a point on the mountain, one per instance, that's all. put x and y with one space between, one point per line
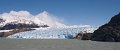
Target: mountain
24 18
43 26
108 32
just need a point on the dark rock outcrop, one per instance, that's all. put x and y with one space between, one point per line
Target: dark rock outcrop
83 36
1 20
108 32
78 36
86 36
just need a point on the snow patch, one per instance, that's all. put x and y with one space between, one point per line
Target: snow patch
5 30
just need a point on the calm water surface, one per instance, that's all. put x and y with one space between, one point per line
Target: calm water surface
56 44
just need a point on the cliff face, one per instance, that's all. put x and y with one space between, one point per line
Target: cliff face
108 32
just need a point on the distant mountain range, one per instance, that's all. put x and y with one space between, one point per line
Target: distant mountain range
24 17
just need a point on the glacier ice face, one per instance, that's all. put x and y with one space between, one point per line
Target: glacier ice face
66 32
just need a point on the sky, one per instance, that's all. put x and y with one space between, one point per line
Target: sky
91 12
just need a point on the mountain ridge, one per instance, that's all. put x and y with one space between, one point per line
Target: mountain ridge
25 17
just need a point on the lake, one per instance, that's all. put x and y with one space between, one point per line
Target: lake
56 44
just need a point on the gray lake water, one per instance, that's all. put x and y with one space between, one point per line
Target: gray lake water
56 44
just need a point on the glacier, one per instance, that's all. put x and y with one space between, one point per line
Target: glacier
66 32
56 29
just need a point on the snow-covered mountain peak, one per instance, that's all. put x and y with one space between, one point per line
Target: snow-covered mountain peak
49 19
25 17
45 13
20 13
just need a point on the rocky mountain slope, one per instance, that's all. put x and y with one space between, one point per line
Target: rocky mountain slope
109 31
